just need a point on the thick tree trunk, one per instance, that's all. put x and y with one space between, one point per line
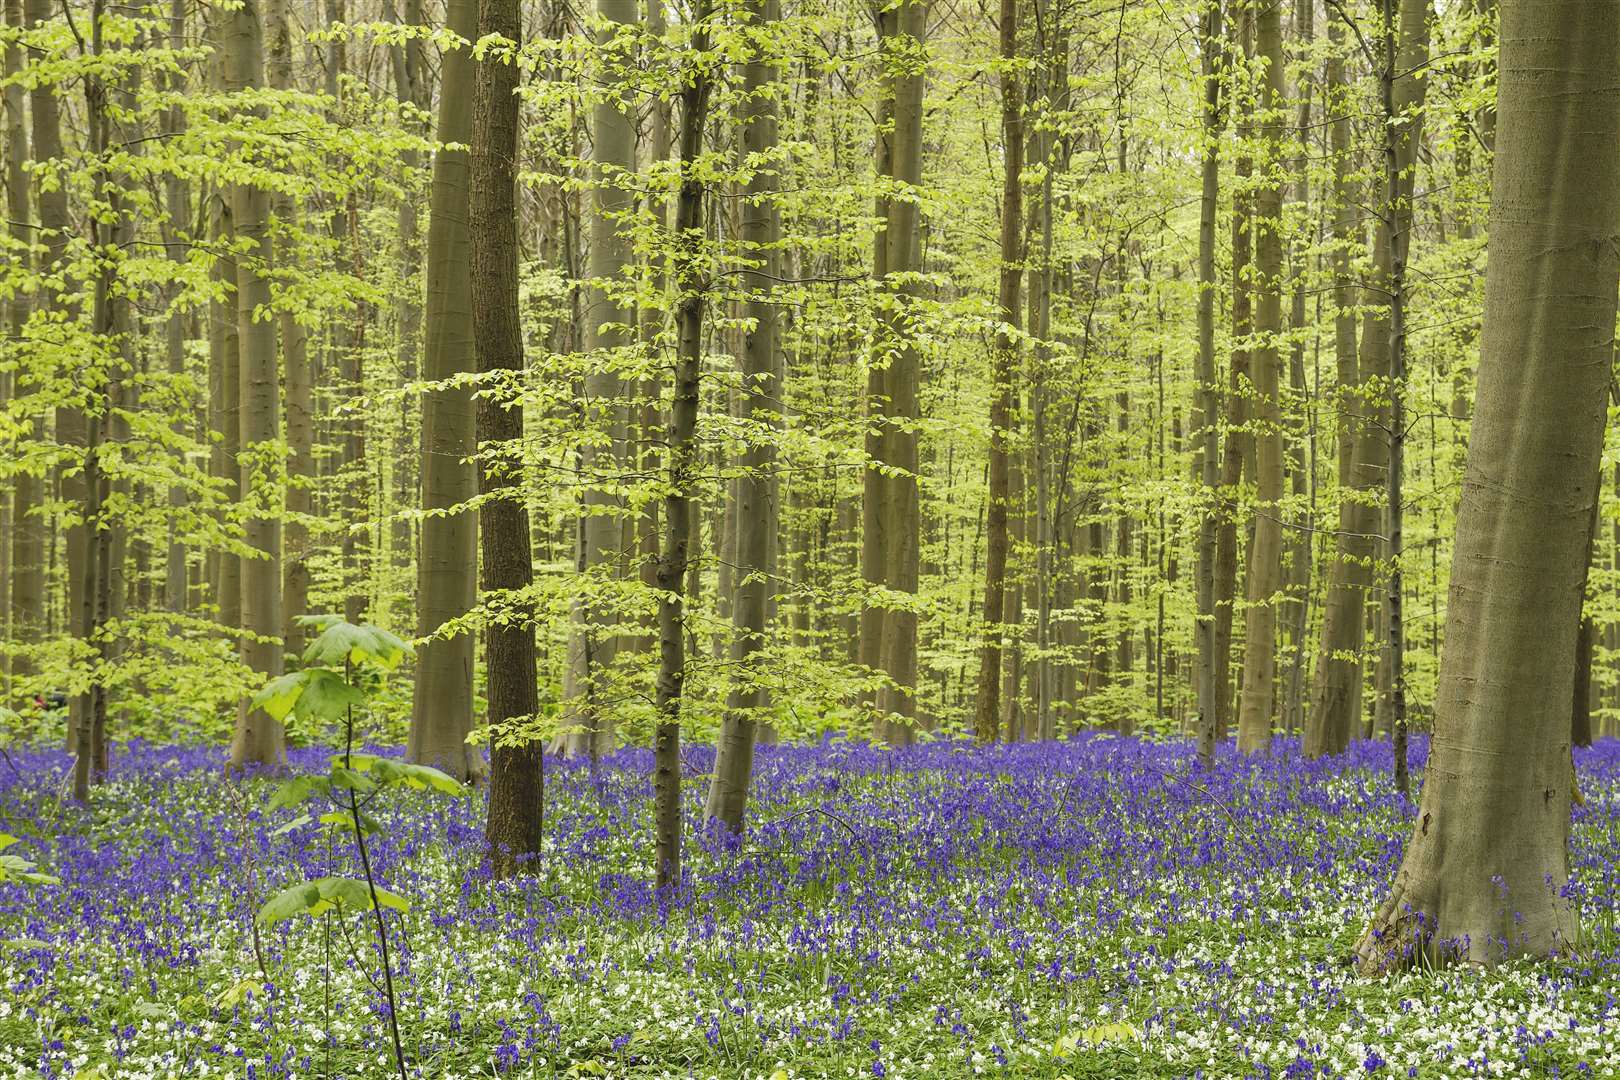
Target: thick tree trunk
690 284
1485 869
259 739
512 830
1265 565
889 542
447 568
177 207
759 405
1004 359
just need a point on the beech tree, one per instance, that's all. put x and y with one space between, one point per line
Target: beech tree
1484 871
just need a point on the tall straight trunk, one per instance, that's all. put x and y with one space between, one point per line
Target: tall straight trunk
25 586
1237 450
902 236
414 95
1206 397
1406 51
513 828
177 207
54 226
1265 565
89 727
1004 359
758 513
1335 695
1485 870
299 385
259 739
1301 421
609 328
689 274
447 566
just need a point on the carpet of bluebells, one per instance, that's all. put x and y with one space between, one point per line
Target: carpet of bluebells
1091 908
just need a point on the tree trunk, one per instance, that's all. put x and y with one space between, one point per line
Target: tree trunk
177 207
609 328
1265 565
512 830
690 283
259 739
26 532
889 548
1484 872
1004 359
447 567
759 406
1206 399
299 384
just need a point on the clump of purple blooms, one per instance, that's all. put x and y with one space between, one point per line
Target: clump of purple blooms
1093 907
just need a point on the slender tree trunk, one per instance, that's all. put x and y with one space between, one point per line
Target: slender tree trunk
1237 450
1206 400
1265 565
26 532
177 206
1335 694
259 739
609 329
1004 360
447 568
1485 870
299 383
512 830
759 406
690 282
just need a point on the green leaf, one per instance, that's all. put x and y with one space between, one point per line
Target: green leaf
326 695
20 943
343 642
343 895
298 789
301 819
17 868
6 840
280 695
418 777
234 995
350 780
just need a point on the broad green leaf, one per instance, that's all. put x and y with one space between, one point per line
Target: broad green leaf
343 895
350 780
280 694
419 777
6 840
234 995
326 695
17 868
298 789
301 819
343 642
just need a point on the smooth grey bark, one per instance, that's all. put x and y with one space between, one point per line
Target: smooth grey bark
1206 397
609 329
447 566
759 409
259 739
1265 562
1484 871
1004 358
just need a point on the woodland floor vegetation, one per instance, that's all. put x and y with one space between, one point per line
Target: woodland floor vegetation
1089 908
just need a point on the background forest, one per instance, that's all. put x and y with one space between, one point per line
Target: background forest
1017 462
1000 325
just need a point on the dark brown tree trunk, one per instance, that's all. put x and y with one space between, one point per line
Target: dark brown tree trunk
512 830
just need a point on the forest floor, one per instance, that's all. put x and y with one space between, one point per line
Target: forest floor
1090 908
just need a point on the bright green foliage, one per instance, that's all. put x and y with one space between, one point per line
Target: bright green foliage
327 695
339 894
15 868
